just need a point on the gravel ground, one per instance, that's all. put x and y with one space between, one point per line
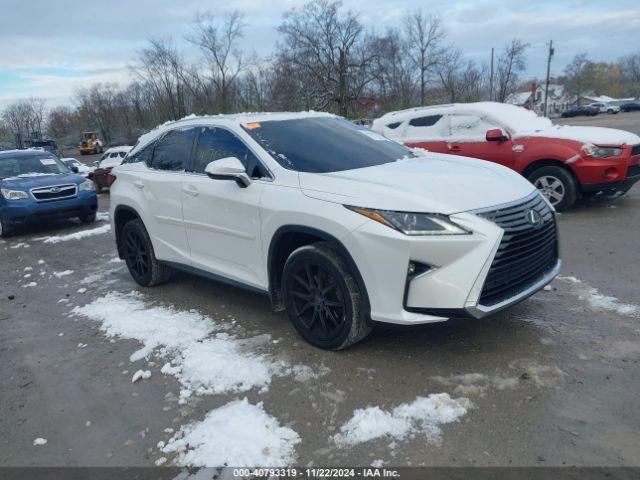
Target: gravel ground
555 377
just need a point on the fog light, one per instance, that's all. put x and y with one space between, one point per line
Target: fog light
610 173
416 268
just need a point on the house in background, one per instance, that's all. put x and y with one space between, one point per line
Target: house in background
558 102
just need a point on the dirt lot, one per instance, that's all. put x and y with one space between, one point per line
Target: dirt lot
552 381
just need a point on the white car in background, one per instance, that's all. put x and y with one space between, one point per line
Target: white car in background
83 169
111 158
605 107
340 226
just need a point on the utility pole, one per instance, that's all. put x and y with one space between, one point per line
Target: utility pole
546 88
491 78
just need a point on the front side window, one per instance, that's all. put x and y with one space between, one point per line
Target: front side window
216 143
324 144
172 151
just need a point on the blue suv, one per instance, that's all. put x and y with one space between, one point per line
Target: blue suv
35 186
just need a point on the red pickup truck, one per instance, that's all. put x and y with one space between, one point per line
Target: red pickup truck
564 162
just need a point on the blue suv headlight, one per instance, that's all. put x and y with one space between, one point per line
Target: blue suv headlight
86 185
14 194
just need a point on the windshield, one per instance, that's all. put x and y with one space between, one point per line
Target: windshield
324 144
29 166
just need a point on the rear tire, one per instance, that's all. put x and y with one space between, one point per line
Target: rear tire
322 298
138 253
6 229
556 184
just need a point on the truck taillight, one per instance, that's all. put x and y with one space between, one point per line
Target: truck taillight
110 178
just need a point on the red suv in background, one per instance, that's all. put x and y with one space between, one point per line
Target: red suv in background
111 158
563 162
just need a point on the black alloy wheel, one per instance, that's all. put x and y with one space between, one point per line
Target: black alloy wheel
322 298
137 256
317 300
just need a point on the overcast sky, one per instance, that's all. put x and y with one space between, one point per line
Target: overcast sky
50 48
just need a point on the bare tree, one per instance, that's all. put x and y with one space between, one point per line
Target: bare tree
630 66
461 81
424 37
217 38
25 119
511 64
576 73
97 106
329 47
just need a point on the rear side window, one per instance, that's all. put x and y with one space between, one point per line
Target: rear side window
172 151
424 121
216 143
430 127
394 125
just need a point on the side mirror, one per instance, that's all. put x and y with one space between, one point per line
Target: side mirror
74 169
496 135
229 168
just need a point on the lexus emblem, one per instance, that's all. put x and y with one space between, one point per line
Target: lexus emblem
534 218
54 189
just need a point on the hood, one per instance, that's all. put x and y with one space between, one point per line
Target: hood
37 181
596 135
434 183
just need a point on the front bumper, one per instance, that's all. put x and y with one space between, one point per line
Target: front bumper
457 267
620 185
20 212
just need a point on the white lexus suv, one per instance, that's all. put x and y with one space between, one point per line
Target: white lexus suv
337 224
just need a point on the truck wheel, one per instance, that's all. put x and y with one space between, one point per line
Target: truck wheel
6 229
556 184
138 253
322 298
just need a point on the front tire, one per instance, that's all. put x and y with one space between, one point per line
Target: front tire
322 298
138 253
6 229
90 218
556 184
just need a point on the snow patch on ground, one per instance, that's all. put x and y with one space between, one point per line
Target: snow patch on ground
600 301
20 245
238 434
423 416
38 442
102 216
30 284
63 274
477 383
78 235
141 375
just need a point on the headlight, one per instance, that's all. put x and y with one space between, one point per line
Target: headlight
413 223
86 185
594 151
14 194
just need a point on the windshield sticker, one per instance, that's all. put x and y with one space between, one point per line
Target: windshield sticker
252 126
47 161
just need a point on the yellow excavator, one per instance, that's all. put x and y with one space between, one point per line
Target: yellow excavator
90 143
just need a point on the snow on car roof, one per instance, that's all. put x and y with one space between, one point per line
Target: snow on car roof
516 119
224 119
121 148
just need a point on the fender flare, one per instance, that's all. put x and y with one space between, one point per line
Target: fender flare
333 242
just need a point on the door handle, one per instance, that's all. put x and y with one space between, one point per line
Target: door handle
191 190
139 184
